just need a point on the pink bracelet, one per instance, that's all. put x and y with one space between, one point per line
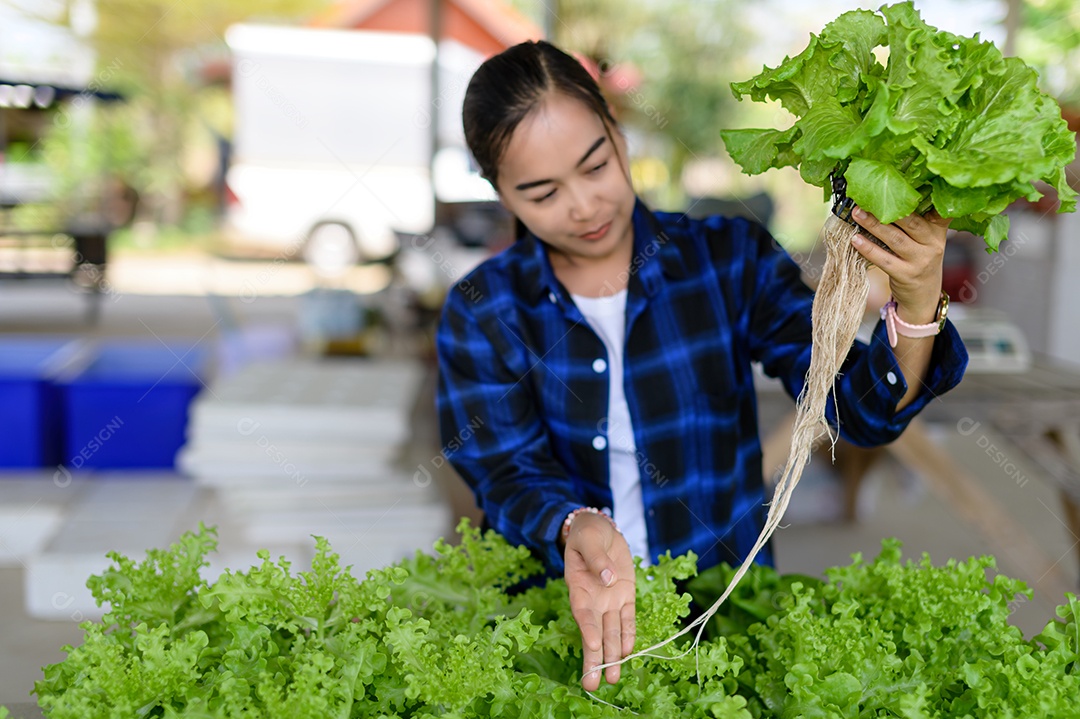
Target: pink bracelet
894 325
570 519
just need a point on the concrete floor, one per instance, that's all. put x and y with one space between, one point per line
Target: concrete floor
893 503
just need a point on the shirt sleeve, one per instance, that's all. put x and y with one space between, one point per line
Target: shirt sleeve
870 383
493 436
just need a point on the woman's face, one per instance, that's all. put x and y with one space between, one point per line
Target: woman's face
560 175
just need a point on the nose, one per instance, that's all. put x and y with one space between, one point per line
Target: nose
583 203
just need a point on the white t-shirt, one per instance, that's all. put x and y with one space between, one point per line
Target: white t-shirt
607 317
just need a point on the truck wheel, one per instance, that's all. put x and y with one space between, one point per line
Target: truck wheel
331 247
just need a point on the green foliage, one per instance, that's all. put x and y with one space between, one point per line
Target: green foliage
683 51
84 153
1048 37
151 51
438 635
947 122
889 638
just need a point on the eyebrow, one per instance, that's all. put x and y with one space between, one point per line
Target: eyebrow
534 183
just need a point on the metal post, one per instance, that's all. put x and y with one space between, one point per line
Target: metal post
1013 9
551 18
433 109
3 163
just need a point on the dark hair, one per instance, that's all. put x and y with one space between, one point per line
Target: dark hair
509 86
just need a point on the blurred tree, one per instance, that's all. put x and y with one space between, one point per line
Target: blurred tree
687 52
84 156
665 66
146 49
1047 35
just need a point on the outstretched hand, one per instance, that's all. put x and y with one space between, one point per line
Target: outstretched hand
600 576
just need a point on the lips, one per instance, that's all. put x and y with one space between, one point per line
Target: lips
598 232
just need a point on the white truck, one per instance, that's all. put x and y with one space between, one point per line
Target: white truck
332 140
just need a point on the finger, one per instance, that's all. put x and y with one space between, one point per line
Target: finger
590 679
629 628
591 648
612 644
922 230
914 226
893 237
596 558
877 256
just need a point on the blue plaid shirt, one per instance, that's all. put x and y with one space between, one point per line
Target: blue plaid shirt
522 396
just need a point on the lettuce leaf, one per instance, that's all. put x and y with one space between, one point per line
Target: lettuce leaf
449 634
947 123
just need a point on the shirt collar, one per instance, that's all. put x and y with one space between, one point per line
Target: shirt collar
651 242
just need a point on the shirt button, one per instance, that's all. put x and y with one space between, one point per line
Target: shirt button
551 296
599 365
891 378
599 442
652 512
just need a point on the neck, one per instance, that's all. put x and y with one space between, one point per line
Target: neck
593 277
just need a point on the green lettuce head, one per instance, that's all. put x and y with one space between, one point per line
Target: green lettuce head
947 123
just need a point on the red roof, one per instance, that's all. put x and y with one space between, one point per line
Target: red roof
487 26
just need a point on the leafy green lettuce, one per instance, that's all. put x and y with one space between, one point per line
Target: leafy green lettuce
947 123
437 635
450 634
898 639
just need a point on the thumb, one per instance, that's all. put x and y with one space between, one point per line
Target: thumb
600 564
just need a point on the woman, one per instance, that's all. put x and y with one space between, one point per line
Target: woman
601 364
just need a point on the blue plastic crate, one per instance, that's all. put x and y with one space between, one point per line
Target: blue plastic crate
30 413
127 405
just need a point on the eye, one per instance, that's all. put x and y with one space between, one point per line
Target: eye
598 167
541 199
